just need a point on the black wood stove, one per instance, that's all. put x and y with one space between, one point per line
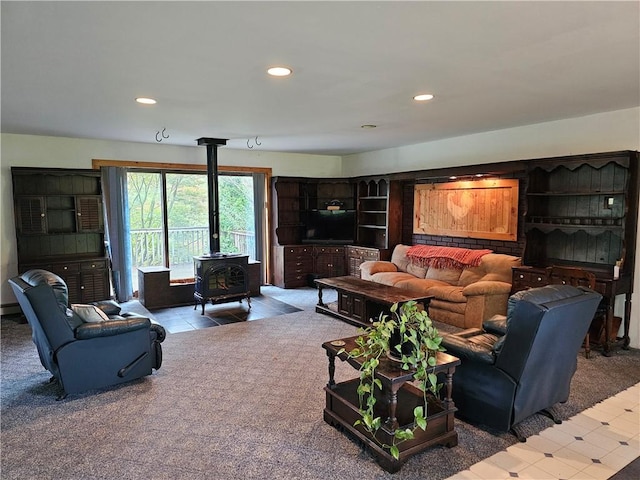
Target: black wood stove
220 277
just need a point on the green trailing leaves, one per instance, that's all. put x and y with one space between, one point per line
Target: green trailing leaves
415 329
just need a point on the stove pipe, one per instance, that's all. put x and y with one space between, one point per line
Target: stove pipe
212 183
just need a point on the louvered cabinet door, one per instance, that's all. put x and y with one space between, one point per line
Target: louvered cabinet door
89 214
30 216
94 281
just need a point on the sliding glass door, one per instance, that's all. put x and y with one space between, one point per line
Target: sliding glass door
168 217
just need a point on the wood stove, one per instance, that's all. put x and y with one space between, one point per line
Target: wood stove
220 277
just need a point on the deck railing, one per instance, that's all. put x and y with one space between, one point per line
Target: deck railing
185 243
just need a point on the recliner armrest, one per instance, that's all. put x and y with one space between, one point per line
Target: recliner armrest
496 324
464 349
111 327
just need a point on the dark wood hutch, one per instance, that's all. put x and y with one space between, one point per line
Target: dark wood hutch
582 211
60 228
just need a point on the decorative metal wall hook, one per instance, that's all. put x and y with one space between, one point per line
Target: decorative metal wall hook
255 142
160 135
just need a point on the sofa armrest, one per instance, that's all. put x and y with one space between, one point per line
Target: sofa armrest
370 267
496 324
111 327
464 349
487 287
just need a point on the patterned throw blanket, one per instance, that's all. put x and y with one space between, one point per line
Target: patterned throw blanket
445 257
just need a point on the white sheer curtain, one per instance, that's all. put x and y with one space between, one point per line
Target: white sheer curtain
117 234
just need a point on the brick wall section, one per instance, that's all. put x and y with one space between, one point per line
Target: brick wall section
498 246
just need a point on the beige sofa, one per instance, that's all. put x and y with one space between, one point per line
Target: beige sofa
462 297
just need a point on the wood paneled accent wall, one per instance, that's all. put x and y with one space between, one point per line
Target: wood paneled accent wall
499 246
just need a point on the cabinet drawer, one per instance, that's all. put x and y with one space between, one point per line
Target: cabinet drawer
94 265
62 268
295 262
363 253
329 250
523 279
296 251
297 280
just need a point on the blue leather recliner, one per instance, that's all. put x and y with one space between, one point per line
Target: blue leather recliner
522 363
84 355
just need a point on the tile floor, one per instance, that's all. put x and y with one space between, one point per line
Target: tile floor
594 444
180 319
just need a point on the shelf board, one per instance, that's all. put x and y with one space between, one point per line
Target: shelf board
376 197
592 229
374 211
379 227
575 194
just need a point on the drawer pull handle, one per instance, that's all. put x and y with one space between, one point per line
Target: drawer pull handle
539 279
521 276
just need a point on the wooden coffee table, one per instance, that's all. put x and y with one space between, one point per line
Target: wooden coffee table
395 405
361 300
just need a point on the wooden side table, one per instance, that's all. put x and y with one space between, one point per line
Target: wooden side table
396 404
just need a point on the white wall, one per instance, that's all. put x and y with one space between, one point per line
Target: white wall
60 152
604 132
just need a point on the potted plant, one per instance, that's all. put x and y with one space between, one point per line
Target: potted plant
407 336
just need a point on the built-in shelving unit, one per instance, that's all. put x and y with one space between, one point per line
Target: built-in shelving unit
379 212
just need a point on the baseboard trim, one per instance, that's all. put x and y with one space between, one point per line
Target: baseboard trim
10 309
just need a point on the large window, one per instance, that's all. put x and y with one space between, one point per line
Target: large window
168 218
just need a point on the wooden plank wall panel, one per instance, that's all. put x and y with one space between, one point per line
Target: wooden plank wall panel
474 209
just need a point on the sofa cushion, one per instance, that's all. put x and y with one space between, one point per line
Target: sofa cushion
449 293
470 275
416 270
419 285
391 278
493 267
399 257
447 275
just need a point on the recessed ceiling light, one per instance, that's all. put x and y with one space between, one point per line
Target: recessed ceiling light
279 71
423 97
368 125
146 101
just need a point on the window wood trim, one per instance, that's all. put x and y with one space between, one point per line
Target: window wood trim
96 163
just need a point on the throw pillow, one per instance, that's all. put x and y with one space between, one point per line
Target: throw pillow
89 313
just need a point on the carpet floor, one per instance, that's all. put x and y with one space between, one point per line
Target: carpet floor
242 400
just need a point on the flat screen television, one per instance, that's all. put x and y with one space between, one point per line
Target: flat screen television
330 226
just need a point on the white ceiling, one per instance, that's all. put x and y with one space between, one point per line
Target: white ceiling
74 68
